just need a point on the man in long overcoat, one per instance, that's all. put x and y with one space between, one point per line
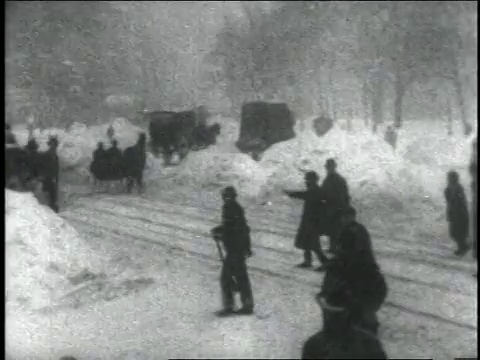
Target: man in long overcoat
457 212
337 197
312 224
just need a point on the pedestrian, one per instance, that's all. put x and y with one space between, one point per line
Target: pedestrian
473 174
337 199
114 162
340 338
9 136
110 133
312 222
50 168
356 272
457 212
234 232
391 136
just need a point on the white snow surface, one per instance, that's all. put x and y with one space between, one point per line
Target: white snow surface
173 318
42 252
399 194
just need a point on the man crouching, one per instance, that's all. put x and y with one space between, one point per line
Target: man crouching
235 235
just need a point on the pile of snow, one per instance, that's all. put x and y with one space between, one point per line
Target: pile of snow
370 166
379 178
42 253
213 168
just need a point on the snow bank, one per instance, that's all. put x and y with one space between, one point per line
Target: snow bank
42 253
370 166
381 180
213 167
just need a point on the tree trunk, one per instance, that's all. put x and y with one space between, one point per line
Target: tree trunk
399 92
449 119
349 120
377 104
467 128
365 103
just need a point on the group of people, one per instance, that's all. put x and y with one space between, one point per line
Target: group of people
114 165
353 289
27 166
107 163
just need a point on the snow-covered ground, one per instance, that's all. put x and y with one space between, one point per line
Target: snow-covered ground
162 290
138 276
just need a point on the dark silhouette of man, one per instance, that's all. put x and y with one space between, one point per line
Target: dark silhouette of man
337 198
235 235
457 212
312 222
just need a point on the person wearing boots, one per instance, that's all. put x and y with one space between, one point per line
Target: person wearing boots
235 235
457 212
312 222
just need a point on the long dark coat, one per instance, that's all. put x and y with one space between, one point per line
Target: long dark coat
356 271
236 232
473 173
357 344
457 212
313 222
337 198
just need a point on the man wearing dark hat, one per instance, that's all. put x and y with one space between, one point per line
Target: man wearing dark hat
355 270
337 197
340 338
235 235
312 222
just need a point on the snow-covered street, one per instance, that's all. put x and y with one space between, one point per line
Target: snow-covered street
152 147
161 289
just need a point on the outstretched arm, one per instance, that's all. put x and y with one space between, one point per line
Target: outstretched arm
302 195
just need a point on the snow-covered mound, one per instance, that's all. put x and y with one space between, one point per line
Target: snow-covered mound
213 167
379 178
370 166
42 253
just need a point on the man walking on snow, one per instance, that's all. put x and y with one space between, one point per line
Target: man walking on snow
308 234
457 213
235 235
355 273
337 197
473 173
